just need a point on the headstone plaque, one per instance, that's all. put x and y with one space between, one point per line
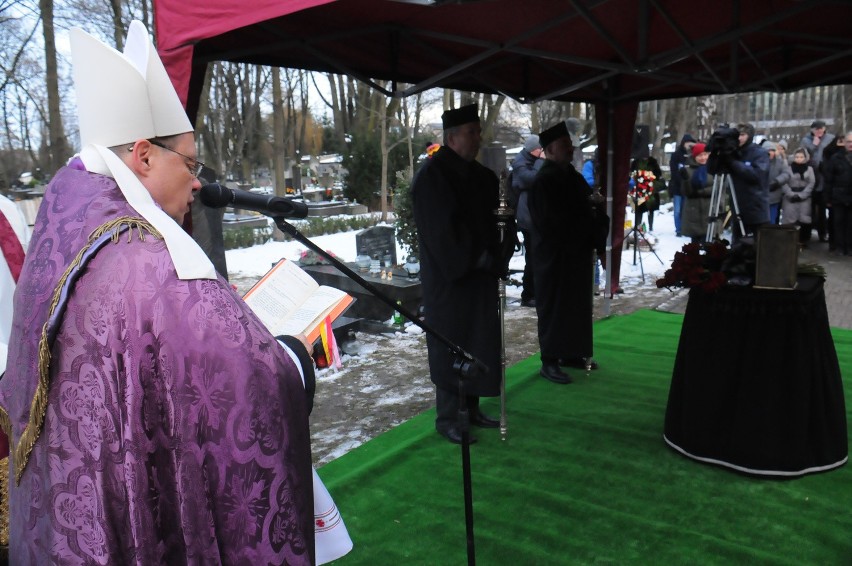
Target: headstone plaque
377 241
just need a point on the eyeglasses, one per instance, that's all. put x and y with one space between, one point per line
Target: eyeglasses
195 166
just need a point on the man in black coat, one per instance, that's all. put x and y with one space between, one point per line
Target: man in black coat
838 194
569 224
678 161
748 167
454 198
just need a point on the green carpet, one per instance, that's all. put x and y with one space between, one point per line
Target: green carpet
586 478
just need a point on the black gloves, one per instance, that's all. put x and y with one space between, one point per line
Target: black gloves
496 259
795 198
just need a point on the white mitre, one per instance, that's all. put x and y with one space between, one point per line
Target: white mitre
121 98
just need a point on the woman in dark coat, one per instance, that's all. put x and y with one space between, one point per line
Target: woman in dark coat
697 187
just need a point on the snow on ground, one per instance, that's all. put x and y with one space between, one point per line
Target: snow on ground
255 261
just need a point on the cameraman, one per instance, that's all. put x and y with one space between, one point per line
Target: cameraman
748 166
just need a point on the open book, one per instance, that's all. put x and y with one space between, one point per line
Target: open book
288 301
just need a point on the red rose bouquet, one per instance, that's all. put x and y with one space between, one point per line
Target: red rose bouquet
698 265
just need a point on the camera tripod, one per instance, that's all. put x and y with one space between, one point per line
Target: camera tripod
636 234
720 182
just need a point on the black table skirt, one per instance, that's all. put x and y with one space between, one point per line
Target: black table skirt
756 384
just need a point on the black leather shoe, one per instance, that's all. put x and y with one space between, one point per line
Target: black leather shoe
453 434
551 372
528 303
579 363
482 420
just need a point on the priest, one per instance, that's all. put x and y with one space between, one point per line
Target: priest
152 418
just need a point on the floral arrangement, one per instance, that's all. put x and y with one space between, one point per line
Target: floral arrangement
310 257
430 151
698 265
643 186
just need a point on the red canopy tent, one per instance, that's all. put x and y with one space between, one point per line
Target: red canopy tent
612 53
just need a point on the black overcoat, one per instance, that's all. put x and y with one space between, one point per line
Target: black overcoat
454 202
564 240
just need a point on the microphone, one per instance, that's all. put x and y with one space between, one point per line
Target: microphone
215 195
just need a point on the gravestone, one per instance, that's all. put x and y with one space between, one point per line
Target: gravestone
378 240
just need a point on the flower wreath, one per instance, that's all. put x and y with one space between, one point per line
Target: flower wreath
643 186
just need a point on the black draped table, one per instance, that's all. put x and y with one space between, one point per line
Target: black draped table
756 384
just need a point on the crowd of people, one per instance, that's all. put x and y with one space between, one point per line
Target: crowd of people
809 187
564 226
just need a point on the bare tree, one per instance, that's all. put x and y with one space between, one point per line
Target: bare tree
21 74
57 143
278 156
230 116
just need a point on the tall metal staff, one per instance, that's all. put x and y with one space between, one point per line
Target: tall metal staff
504 214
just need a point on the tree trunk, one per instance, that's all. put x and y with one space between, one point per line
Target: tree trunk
337 112
383 125
659 151
57 144
491 109
303 93
117 25
406 119
211 154
535 118
280 175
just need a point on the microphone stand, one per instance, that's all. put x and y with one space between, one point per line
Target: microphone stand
465 365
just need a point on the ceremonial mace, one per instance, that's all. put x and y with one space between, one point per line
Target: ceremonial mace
504 214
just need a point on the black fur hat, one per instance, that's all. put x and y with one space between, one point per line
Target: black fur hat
459 116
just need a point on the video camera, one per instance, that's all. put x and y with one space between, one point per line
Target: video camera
724 142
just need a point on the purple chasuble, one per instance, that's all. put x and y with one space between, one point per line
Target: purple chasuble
173 427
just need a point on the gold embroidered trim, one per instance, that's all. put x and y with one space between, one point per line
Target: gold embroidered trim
38 406
4 502
5 422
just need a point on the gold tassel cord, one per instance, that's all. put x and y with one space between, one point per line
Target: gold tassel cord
38 406
4 502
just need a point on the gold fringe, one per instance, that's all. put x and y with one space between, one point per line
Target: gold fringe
4 502
5 422
38 406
